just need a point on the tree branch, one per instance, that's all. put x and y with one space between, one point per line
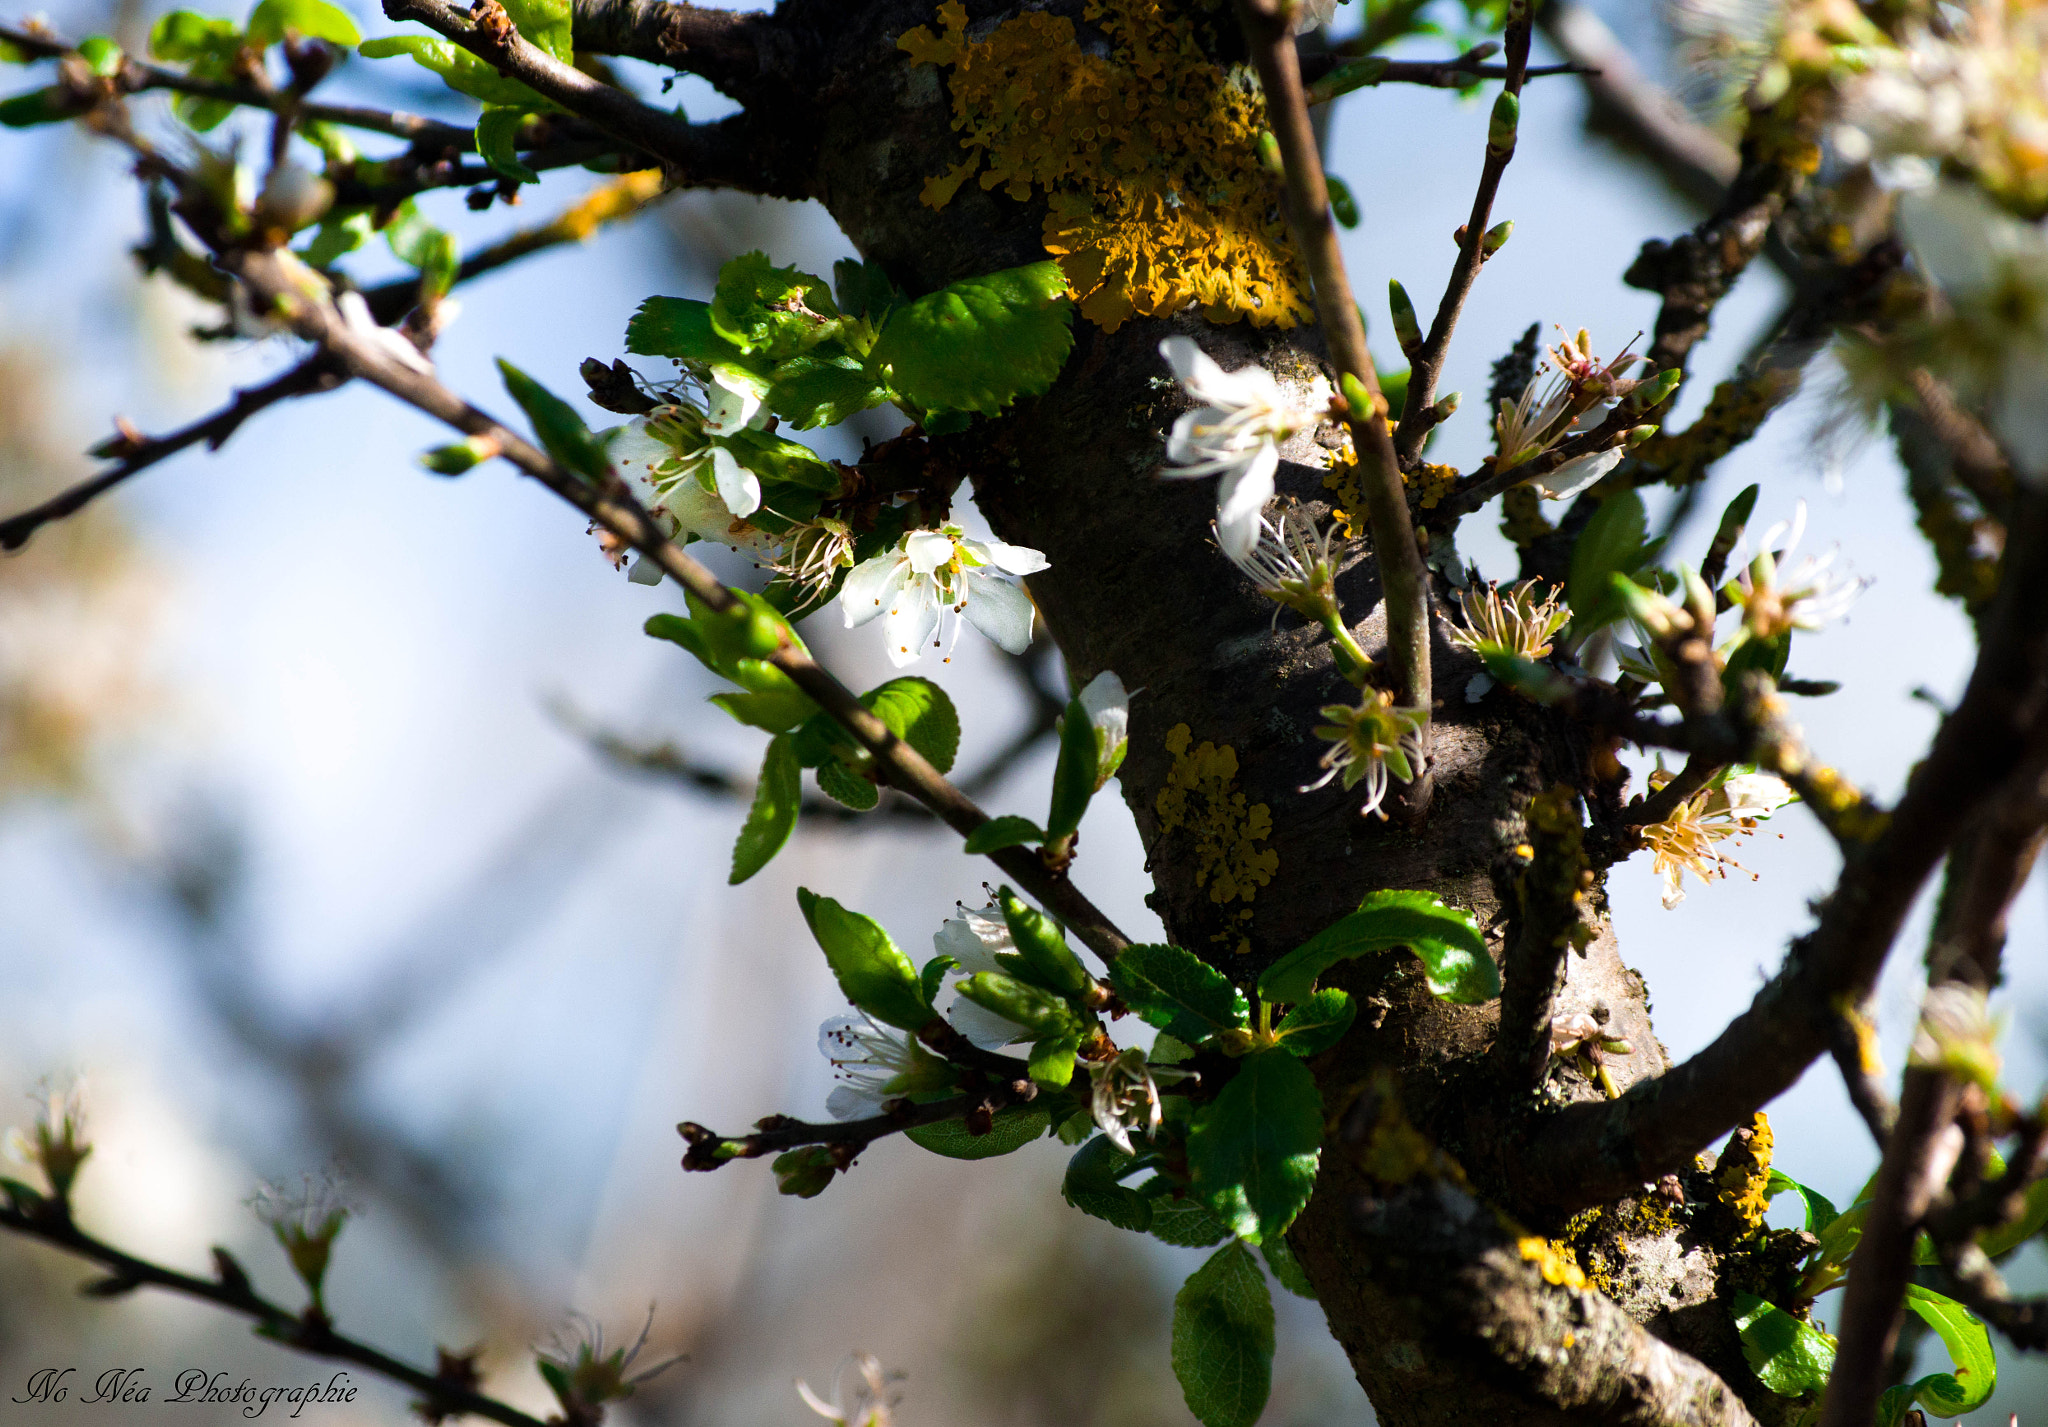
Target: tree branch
748 56
306 1333
1402 575
1548 895
1586 1154
316 374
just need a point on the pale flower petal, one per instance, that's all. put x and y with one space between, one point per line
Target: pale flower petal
1001 611
738 487
729 410
1577 474
870 586
927 550
1240 497
1015 559
912 619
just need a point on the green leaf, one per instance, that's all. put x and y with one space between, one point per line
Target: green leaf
310 19
842 785
1788 1356
1052 1059
1446 939
1223 1339
778 711
864 290
1091 1185
1317 1023
440 266
1611 544
1182 1222
102 55
776 458
1179 993
999 833
1819 1211
546 23
1730 529
1969 1349
918 712
497 134
1253 1151
979 344
1997 1242
804 1172
1286 1268
1037 1010
875 975
1042 956
459 69
822 389
339 235
458 456
557 425
1013 1129
772 818
185 35
933 976
1073 777
38 106
772 312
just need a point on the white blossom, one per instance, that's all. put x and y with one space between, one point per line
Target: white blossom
1124 1095
693 485
861 1395
1235 432
1371 743
1108 708
932 576
1686 839
389 342
972 939
875 1065
1778 593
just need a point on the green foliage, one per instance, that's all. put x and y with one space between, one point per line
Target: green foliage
557 425
1183 1221
1733 518
1286 1268
339 234
272 20
1043 956
1317 1023
207 48
497 134
37 106
1179 993
1038 1011
804 1172
1013 1129
841 784
979 344
1975 1377
546 23
1092 1185
1074 776
458 456
1611 544
772 818
1788 1356
1445 938
864 290
101 55
1252 1152
771 312
1223 1339
873 972
1052 1059
920 713
1819 1212
458 68
999 833
813 389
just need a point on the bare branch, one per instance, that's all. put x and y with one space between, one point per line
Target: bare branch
315 374
748 56
1549 893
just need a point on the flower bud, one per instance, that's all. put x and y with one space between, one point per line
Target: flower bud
1497 237
1347 77
1443 409
459 456
1500 129
1269 154
1343 207
293 197
1655 391
1406 330
1637 435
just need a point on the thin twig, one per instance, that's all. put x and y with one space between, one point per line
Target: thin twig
1428 364
306 1333
316 373
1548 895
1315 233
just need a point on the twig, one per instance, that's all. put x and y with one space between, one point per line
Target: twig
1548 895
1428 363
1315 233
313 316
1916 1162
1457 73
748 56
1854 1047
708 1149
1659 805
1585 1154
316 373
306 1333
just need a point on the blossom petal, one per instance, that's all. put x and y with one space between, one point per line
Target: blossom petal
853 1102
983 1026
870 586
643 571
738 487
912 617
927 550
1241 496
1000 610
973 940
1577 474
730 410
1015 559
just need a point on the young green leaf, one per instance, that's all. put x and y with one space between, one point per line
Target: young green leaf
1286 1268
1038 1011
1317 1023
680 327
979 344
823 388
1052 1059
999 833
772 818
920 713
342 232
1181 1221
771 312
1223 1339
1178 992
1729 531
1819 1211
497 133
864 290
804 1172
842 785
37 106
1013 1129
1091 1185
1043 956
546 23
557 425
1446 939
1969 1349
1073 777
1253 1151
875 975
1611 544
270 21
1788 1356
184 36
459 69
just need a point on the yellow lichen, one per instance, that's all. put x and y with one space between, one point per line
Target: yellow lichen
1603 1239
1743 1172
1146 156
1556 1262
1199 796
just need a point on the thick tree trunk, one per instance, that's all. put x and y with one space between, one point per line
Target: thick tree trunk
1245 866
